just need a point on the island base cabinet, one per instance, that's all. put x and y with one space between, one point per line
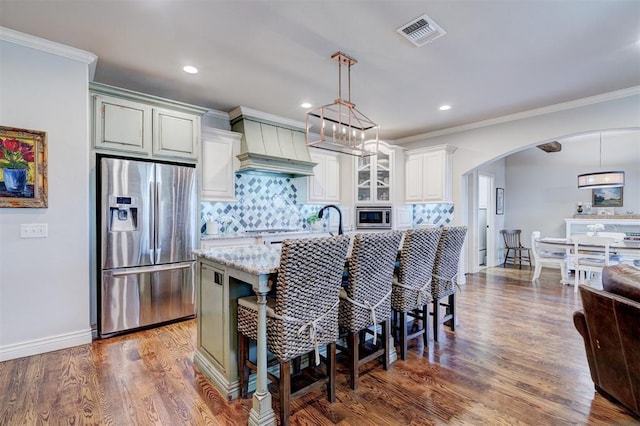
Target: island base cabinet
211 328
216 355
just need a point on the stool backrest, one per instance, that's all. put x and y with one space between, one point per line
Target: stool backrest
310 275
371 266
417 256
445 268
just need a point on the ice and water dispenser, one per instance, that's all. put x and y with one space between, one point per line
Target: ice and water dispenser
123 214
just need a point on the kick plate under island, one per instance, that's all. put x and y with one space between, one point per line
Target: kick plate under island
223 275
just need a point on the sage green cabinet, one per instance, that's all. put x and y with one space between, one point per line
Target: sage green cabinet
122 125
211 315
144 125
175 134
217 324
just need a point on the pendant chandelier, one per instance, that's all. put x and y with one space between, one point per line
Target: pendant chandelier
339 126
595 180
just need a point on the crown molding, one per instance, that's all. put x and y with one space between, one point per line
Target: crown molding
47 46
618 94
261 115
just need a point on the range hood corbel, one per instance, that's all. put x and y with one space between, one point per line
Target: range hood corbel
271 144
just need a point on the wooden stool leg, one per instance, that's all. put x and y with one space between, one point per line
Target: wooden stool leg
331 371
452 304
403 336
436 319
386 360
425 325
353 343
285 392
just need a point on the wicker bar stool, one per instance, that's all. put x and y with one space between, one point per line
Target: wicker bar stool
302 317
445 272
366 300
411 290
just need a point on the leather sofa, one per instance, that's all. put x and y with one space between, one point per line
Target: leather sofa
610 326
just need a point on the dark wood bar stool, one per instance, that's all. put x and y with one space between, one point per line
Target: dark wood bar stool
445 273
302 317
366 300
411 291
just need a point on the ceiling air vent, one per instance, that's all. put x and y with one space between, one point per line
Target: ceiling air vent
421 31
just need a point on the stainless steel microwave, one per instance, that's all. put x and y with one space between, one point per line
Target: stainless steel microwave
373 217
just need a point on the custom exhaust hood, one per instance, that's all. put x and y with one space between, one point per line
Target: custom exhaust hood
271 144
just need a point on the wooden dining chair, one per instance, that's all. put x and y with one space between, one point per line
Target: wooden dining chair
515 252
301 318
365 302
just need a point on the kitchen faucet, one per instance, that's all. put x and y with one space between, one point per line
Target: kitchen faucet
321 212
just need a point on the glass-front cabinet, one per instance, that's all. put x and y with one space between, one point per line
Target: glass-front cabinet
373 177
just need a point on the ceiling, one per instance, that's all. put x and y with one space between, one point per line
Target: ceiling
498 56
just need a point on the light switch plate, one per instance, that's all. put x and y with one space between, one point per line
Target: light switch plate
33 230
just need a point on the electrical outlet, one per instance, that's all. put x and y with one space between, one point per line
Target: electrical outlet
33 230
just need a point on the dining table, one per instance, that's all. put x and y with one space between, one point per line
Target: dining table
630 249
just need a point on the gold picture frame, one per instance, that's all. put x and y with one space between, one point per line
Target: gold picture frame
607 197
23 168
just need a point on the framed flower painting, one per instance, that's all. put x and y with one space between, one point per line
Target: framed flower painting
23 168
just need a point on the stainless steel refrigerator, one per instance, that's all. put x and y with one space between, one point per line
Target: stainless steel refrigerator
147 229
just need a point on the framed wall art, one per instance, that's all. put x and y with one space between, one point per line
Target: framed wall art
23 168
607 197
499 200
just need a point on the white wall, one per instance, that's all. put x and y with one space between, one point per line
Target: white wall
542 187
482 143
44 283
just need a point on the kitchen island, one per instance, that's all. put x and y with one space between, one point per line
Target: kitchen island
223 275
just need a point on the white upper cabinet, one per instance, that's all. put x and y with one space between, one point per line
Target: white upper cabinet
376 176
428 175
219 163
140 124
324 185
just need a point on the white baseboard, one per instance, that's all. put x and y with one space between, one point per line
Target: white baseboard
47 344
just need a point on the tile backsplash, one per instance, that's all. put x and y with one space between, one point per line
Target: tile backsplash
267 202
433 214
264 202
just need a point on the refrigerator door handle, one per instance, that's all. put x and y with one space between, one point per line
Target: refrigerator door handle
131 271
154 222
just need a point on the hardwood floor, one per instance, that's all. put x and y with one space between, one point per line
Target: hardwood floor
515 358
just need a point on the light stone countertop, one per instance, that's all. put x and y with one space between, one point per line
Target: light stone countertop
255 259
222 236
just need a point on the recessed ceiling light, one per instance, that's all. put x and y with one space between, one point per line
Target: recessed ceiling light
445 107
305 105
190 69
